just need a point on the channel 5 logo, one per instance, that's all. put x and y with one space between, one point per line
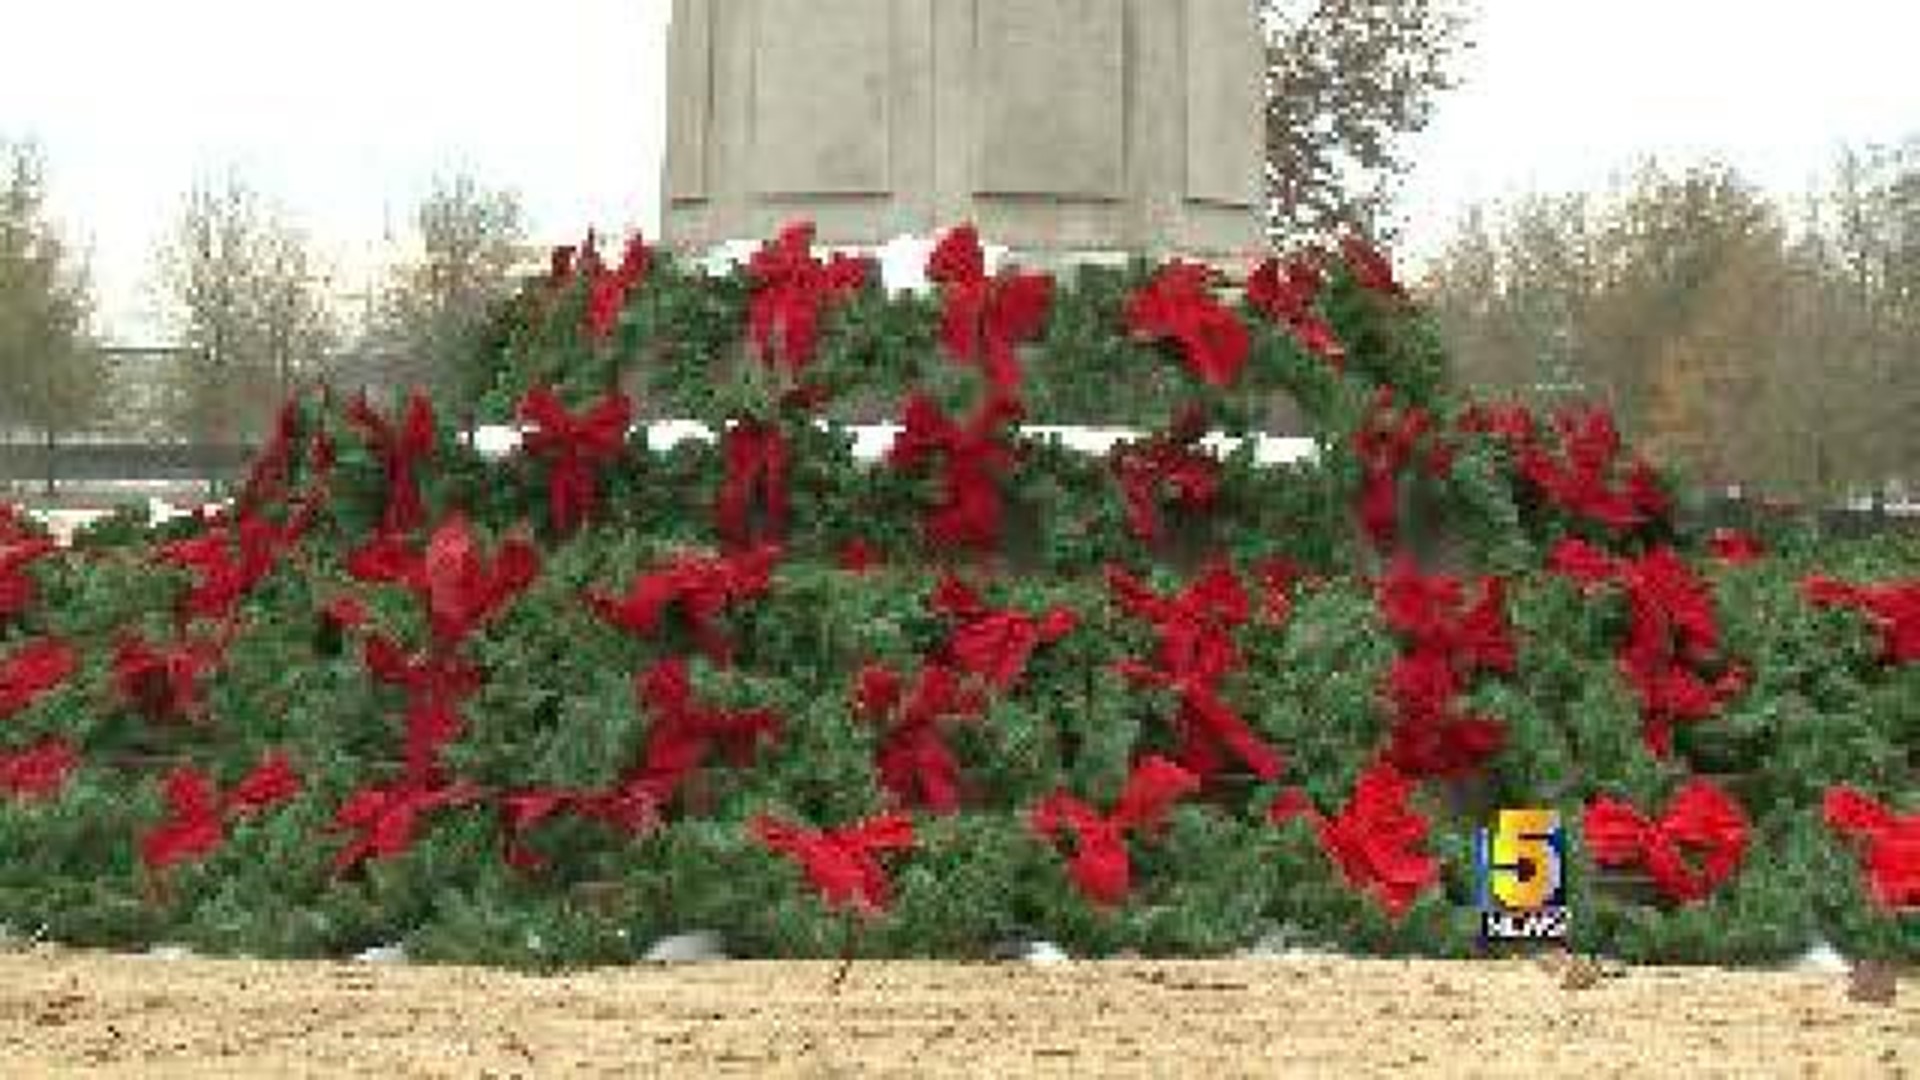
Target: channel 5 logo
1521 863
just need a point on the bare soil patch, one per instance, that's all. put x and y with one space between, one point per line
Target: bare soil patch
65 1013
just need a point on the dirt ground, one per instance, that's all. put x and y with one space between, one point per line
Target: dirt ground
68 1013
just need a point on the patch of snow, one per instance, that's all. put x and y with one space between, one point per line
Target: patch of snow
168 952
382 954
696 947
1821 959
1045 954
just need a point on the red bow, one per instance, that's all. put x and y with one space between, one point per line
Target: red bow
914 761
16 588
572 445
1207 726
195 827
267 478
607 291
1369 267
856 556
1286 296
757 458
40 771
986 318
1169 464
995 645
1587 565
1100 865
560 265
435 687
790 287
1196 624
1432 613
1448 642
1701 820
702 587
1196 651
841 863
1385 442
400 450
969 510
1176 305
32 670
1733 547
1894 609
683 733
457 585
1891 842
1376 840
192 829
1671 634
228 561
163 683
628 808
1578 478
386 817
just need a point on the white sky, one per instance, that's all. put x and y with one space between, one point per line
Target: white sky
344 111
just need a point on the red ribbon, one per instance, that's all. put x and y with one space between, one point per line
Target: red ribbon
228 562
995 645
195 825
1286 295
1196 624
841 863
267 478
1893 607
702 588
461 588
33 670
1701 820
627 808
607 291
1385 443
1178 306
1369 267
386 818
756 457
1167 465
985 319
400 449
16 588
1891 844
1100 864
1448 641
39 771
683 733
1206 725
790 288
573 446
435 686
1671 635
1375 840
968 514
913 760
1577 476
163 683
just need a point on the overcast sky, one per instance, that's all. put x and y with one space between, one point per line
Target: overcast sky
344 111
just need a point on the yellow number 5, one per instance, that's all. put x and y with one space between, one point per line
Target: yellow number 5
1525 869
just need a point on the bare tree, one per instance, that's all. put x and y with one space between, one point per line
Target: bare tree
1347 82
435 306
246 298
53 378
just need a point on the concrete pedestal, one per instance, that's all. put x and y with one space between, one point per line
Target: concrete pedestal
1058 127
